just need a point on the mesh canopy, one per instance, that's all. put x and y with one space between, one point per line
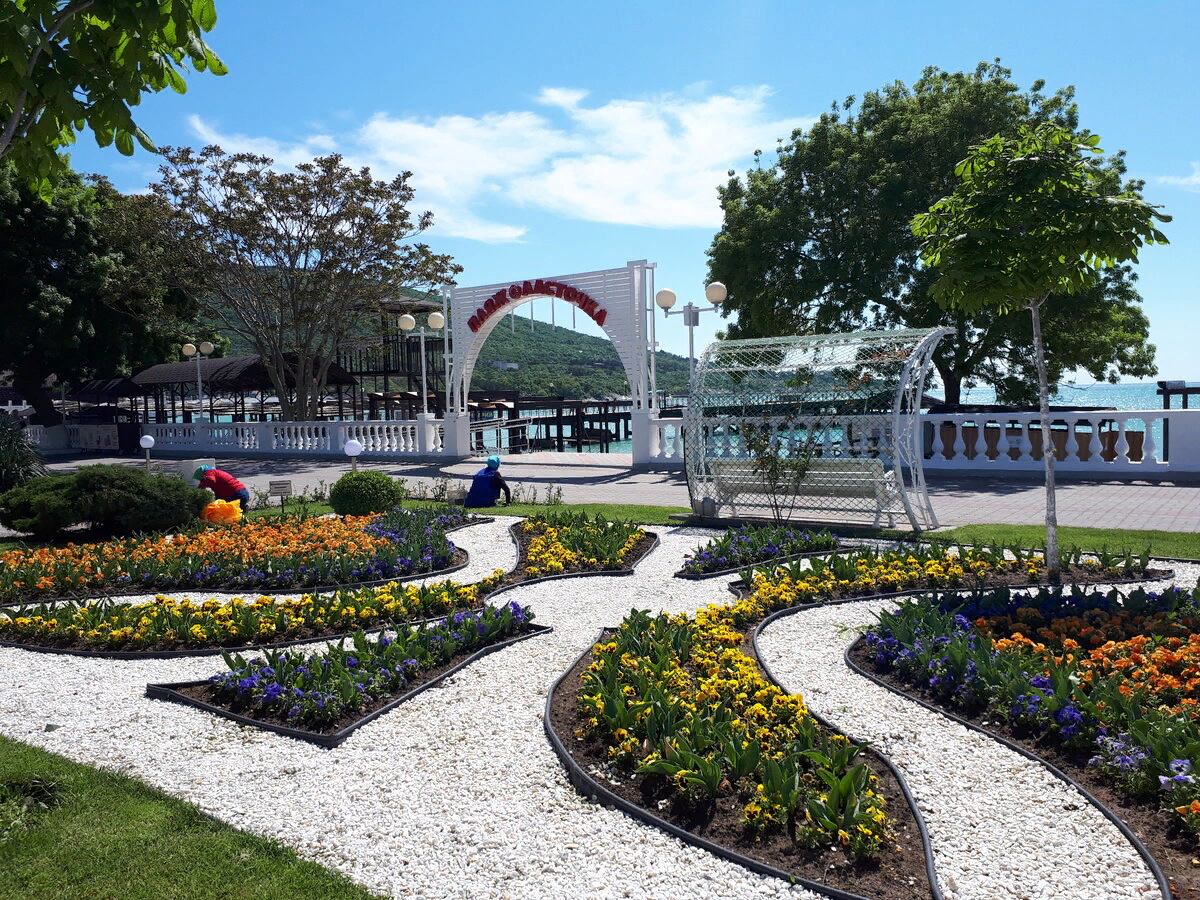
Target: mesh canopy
813 426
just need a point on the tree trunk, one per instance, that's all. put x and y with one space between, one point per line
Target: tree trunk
39 398
1052 560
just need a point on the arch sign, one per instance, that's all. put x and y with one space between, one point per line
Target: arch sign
618 300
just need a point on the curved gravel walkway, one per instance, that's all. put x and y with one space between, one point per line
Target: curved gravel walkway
458 794
1001 825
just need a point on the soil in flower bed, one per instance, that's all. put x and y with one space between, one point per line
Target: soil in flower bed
206 693
1176 851
896 873
523 540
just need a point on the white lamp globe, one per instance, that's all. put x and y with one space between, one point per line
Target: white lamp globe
716 293
665 298
436 320
189 349
206 347
352 447
406 322
146 441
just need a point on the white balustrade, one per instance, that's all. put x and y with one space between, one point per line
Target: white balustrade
666 440
1099 442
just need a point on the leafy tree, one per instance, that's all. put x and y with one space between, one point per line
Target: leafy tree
820 241
1032 219
70 64
87 286
293 263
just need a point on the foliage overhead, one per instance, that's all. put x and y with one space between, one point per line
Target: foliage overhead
821 242
89 286
66 65
294 262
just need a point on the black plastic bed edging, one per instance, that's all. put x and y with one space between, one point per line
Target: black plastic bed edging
777 560
512 530
171 693
926 845
267 592
1151 863
589 787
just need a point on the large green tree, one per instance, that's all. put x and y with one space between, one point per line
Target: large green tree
1032 220
86 287
294 264
66 65
820 241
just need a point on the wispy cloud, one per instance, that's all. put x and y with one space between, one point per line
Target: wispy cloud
1187 182
652 161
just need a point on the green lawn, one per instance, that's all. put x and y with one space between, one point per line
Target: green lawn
109 836
1161 543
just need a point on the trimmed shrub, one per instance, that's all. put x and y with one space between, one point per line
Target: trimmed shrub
19 459
117 500
363 493
123 500
41 507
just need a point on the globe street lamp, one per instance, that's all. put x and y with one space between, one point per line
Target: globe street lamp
147 442
407 323
192 352
665 299
352 448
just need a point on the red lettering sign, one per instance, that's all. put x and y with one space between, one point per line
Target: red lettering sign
516 291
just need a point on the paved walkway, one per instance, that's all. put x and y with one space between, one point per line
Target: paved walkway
610 478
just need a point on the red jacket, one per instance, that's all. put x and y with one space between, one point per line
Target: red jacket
221 483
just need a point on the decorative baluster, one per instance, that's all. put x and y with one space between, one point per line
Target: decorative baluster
1149 445
1071 445
1026 440
937 446
1002 444
1122 445
959 448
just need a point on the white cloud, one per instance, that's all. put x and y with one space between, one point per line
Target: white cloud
653 161
1188 182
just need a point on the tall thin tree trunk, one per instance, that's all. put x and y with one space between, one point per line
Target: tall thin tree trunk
1052 560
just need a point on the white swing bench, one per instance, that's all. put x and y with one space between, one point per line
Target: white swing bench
830 484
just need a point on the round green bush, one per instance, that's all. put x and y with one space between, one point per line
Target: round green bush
363 493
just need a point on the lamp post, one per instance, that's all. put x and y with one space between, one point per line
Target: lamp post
147 442
352 448
665 299
205 350
407 323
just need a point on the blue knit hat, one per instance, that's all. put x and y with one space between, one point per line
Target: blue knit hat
493 462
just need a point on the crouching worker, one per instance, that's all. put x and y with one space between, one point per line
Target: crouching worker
487 485
224 485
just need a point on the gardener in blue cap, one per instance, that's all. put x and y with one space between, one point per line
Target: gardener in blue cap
487 485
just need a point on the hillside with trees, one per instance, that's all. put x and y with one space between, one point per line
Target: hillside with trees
556 361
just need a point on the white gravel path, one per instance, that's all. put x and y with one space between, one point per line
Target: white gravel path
458 794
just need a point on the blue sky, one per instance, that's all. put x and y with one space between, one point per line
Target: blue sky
552 138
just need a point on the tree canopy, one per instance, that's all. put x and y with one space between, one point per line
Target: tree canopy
88 289
293 263
821 240
1032 219
66 65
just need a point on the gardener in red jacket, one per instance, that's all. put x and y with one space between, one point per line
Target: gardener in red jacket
224 485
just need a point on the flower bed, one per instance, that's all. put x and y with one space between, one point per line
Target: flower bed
868 572
262 554
323 697
674 714
180 625
558 543
751 545
1102 684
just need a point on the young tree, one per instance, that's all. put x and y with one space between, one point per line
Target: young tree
293 263
820 241
1030 220
67 64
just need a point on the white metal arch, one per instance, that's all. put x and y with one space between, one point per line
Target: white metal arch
616 299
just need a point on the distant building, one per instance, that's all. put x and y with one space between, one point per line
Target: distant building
501 364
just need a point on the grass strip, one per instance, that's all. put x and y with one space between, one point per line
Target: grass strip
111 836
1182 545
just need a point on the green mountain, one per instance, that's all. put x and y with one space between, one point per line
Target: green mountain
555 361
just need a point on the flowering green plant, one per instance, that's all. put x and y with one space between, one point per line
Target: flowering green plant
753 544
